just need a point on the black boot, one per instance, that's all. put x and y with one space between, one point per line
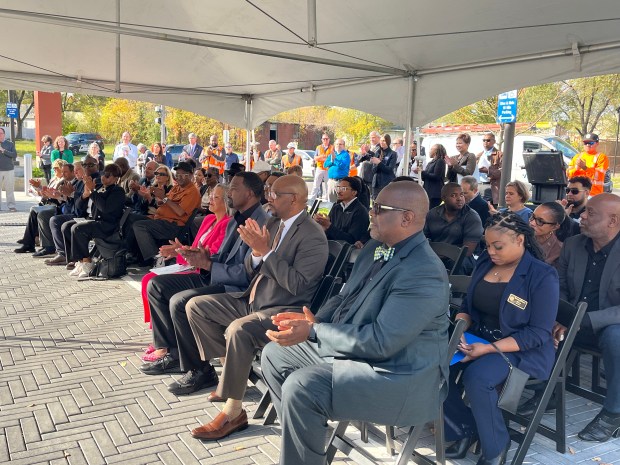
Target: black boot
499 460
459 449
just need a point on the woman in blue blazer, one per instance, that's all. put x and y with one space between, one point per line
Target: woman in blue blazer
511 301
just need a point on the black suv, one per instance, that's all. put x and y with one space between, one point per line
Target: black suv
79 141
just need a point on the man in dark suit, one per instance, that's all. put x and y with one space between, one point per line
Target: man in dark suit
589 271
222 272
348 219
193 149
474 199
286 262
376 352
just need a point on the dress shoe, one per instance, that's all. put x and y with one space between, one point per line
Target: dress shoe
162 366
44 252
20 241
529 406
56 261
499 460
459 449
221 426
25 249
213 397
602 428
194 380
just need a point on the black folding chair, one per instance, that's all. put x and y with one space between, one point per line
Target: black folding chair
596 393
569 316
339 441
458 290
454 254
338 254
314 207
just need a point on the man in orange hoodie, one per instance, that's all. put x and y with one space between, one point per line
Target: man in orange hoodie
590 164
320 174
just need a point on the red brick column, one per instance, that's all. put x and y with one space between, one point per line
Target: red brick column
47 115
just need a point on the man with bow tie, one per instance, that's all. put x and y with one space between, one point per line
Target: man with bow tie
376 352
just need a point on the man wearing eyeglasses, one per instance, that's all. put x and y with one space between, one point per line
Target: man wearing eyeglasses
590 163
377 351
320 174
348 219
577 193
286 263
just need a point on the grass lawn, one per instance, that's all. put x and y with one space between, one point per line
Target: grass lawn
25 146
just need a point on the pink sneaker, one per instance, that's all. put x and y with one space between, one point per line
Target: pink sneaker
150 349
152 357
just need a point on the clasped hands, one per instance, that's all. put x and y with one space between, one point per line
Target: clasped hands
255 237
293 327
198 257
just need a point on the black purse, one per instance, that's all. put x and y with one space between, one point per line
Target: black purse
513 387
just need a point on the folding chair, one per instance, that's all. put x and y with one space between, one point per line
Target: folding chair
455 254
569 316
314 207
458 290
338 254
338 440
596 393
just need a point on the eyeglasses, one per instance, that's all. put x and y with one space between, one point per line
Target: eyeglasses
274 195
589 142
540 221
573 190
324 138
377 208
487 140
184 175
342 188
89 165
159 173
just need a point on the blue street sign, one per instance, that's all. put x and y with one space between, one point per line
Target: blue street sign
507 107
11 110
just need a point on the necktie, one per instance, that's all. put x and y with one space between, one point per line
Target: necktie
274 246
383 252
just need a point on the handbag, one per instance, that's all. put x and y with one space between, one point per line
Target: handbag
513 387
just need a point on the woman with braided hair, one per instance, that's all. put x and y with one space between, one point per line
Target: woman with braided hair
510 302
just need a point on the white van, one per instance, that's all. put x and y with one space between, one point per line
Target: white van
522 143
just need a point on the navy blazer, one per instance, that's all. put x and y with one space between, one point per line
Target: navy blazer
537 284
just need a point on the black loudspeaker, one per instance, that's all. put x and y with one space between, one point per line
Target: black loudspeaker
545 168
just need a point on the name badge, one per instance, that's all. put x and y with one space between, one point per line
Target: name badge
517 301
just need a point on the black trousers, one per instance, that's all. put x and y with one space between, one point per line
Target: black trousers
32 229
168 295
149 233
81 234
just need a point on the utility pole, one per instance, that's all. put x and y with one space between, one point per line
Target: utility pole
161 120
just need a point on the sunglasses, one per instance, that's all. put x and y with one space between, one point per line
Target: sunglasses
573 190
487 140
377 208
589 142
540 221
159 173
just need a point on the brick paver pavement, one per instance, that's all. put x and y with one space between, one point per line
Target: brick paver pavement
71 392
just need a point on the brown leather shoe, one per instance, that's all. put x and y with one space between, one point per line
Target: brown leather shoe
221 427
213 397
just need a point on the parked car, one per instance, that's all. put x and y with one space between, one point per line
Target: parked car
175 150
79 141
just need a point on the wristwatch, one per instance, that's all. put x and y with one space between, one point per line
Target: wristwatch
164 200
312 335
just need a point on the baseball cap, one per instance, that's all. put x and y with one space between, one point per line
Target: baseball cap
261 166
291 146
590 137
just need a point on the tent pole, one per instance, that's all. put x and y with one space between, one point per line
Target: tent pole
509 140
409 135
312 40
248 131
117 86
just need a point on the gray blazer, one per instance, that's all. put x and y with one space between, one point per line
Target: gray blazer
228 266
390 351
293 272
572 272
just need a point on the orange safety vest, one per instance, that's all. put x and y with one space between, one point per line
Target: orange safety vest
287 164
352 167
211 160
322 154
596 167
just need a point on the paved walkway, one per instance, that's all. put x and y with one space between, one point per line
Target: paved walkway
71 392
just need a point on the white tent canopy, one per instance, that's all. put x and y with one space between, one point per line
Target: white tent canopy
244 61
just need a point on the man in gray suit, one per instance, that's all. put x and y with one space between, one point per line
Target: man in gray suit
589 271
222 272
287 262
377 351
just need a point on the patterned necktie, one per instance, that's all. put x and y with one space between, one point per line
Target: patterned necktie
383 252
274 246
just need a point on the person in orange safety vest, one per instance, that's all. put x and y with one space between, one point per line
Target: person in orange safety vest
320 173
590 163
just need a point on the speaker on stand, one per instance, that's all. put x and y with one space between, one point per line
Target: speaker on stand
546 173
